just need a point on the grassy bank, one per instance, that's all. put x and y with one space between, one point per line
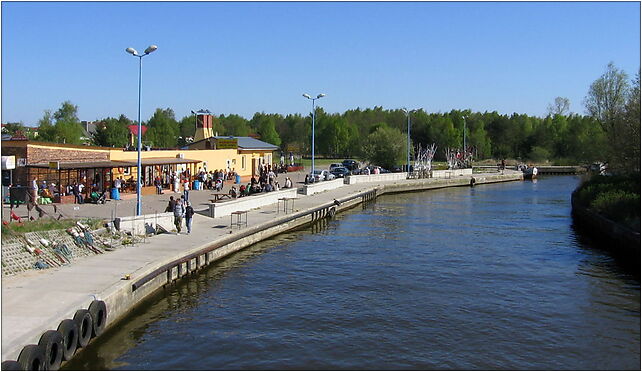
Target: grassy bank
46 224
615 197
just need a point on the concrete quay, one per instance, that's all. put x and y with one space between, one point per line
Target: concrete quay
37 301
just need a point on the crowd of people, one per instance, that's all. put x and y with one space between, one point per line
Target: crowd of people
50 190
184 181
266 182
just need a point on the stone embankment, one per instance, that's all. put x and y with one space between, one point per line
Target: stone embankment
97 291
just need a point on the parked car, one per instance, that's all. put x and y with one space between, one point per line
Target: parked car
350 164
335 165
340 172
372 168
322 175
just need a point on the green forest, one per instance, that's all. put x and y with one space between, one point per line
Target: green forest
609 131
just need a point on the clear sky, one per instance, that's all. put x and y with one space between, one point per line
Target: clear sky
247 57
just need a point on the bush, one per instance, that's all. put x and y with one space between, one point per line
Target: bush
615 197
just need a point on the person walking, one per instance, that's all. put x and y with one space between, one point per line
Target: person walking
186 190
77 195
159 187
179 212
176 182
33 190
189 213
171 205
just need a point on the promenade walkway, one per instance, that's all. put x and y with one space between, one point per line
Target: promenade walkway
36 301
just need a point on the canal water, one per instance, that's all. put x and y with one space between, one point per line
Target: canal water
491 277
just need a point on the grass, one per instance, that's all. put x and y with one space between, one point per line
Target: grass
15 228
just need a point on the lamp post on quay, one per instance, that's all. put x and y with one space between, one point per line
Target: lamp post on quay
463 117
408 112
132 51
313 114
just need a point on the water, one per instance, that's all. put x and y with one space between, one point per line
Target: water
491 277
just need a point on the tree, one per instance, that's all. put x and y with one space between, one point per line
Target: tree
607 102
560 106
606 99
335 137
46 129
162 129
268 133
386 147
631 129
235 125
67 128
67 112
112 132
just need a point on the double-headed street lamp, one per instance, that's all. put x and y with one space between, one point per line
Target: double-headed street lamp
408 112
132 51
313 114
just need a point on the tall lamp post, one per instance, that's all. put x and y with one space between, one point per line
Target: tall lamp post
132 51
313 114
463 117
408 112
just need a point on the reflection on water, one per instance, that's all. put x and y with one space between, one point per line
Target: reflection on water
491 277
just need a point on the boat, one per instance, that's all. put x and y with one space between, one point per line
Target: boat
529 173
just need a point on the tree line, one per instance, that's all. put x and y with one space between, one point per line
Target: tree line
610 131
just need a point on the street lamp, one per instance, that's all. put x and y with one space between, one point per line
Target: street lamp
313 114
463 117
133 52
408 112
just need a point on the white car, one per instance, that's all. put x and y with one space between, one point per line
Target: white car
322 175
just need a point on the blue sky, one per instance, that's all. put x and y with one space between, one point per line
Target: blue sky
250 57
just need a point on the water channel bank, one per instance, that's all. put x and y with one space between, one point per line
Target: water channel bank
38 301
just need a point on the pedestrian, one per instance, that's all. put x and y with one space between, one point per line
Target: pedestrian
117 183
171 205
179 212
76 191
189 213
33 192
186 190
81 191
159 187
176 182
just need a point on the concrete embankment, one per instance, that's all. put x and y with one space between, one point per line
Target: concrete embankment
35 302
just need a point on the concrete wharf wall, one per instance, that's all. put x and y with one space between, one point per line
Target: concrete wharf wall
322 186
152 268
227 207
